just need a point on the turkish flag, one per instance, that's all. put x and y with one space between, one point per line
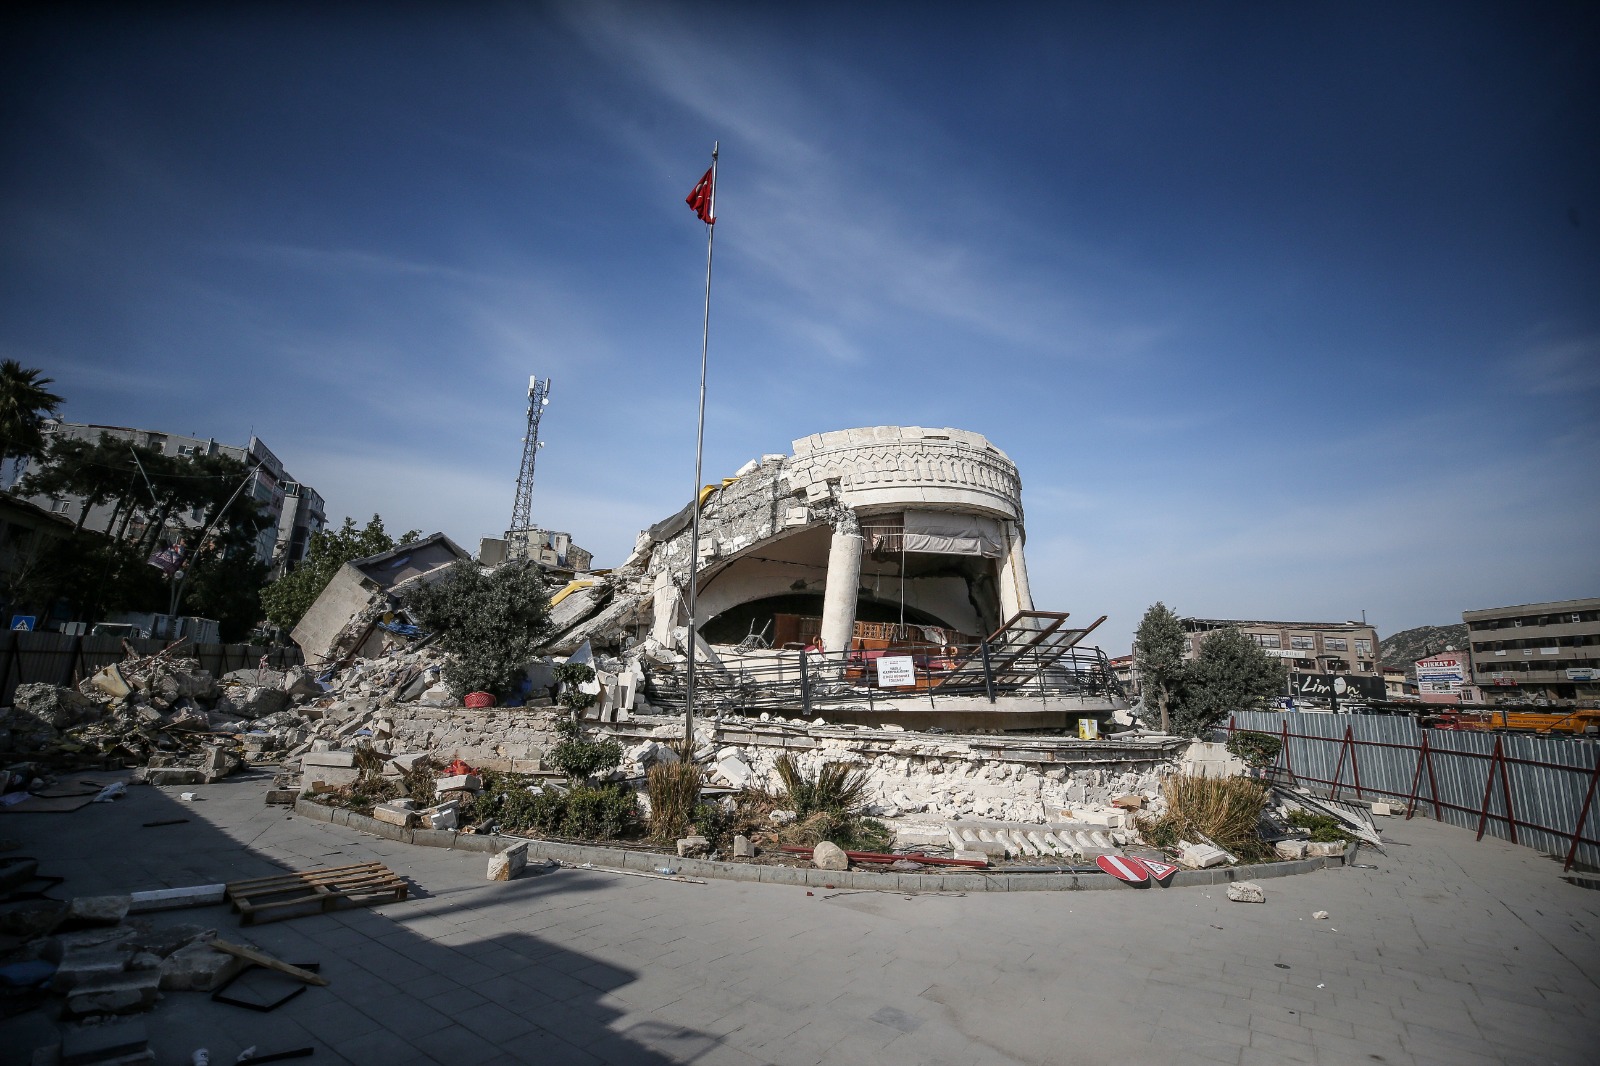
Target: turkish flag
703 197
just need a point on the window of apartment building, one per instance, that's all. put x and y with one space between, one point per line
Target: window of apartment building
1363 646
1365 664
1267 640
1303 641
58 506
186 449
1305 664
1335 644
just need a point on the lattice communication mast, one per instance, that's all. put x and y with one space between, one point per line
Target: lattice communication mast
522 510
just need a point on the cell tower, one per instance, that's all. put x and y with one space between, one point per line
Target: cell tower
522 510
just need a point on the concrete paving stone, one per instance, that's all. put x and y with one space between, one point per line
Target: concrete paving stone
380 1045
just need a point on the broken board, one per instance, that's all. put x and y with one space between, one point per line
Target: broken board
294 895
1124 868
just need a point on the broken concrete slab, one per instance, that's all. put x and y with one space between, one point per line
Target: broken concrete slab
508 863
743 847
122 993
327 758
1246 892
98 910
163 899
197 967
693 847
1290 849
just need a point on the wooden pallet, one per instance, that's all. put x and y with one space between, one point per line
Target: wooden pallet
294 895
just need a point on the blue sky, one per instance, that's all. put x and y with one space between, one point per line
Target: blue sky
1284 311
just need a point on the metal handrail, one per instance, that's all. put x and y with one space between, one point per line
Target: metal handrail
807 681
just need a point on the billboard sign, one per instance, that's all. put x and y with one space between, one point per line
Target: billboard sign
1344 687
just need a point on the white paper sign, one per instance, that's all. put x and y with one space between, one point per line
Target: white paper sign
896 671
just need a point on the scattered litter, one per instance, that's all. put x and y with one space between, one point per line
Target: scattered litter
632 873
1320 914
113 791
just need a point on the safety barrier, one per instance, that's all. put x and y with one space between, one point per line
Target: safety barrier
1532 790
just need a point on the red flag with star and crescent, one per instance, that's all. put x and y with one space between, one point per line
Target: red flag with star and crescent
703 197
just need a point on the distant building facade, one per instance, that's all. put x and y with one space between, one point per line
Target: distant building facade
1326 661
268 486
1537 651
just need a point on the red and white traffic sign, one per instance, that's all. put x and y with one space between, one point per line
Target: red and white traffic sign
1124 868
1160 872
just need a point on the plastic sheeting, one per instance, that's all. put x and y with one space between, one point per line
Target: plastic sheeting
949 533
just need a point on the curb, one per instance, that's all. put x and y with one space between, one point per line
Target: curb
647 861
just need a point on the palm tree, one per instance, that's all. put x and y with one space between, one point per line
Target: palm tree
25 402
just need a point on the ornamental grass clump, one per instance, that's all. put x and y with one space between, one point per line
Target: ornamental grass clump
674 794
1225 810
838 788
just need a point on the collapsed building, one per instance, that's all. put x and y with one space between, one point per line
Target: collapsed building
863 549
862 599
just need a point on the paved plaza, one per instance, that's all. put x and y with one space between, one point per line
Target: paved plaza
1450 952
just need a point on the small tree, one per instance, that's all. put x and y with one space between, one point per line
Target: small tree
1231 673
490 623
1158 654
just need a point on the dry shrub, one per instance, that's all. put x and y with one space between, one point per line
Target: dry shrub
674 796
1227 810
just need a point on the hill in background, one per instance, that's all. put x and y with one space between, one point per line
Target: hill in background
1406 647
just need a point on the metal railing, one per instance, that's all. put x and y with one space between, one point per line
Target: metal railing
62 659
1534 790
808 681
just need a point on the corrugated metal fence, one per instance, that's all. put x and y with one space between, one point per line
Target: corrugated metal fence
65 660
1532 790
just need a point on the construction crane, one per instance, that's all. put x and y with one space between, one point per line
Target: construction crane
522 509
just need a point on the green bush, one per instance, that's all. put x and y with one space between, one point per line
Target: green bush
1258 750
580 758
490 623
1323 828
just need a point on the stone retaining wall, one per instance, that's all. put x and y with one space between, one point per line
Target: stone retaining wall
649 861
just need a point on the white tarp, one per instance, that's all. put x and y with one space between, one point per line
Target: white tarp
948 533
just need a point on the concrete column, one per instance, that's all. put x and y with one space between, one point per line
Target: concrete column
1014 593
666 602
839 595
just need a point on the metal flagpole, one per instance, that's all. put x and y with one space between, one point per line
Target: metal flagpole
694 500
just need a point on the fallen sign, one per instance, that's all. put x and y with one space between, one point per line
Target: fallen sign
1124 868
294 895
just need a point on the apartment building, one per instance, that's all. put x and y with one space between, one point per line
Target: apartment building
1325 660
269 485
1537 652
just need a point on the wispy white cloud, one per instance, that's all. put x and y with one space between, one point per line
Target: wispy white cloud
1557 367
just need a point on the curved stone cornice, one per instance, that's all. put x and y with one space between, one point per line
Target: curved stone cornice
901 466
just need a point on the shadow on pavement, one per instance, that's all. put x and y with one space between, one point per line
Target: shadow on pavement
445 976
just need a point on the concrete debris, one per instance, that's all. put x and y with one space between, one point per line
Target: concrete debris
1320 916
1200 856
1290 849
829 856
693 847
1246 892
743 848
509 863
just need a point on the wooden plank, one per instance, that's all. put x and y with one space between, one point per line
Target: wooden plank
261 958
298 876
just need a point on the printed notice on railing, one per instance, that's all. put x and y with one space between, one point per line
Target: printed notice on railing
896 671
